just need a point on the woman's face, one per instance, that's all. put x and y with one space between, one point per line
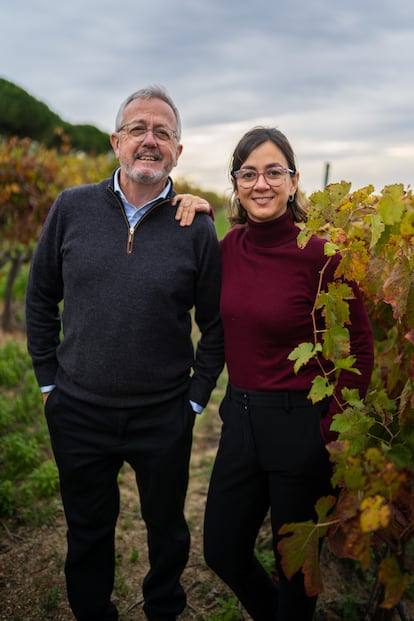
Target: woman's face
264 202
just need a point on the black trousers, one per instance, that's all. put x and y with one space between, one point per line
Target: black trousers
270 455
90 445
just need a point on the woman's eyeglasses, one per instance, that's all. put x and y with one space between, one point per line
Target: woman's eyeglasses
274 176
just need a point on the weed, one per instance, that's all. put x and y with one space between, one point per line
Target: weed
28 475
229 610
49 601
351 607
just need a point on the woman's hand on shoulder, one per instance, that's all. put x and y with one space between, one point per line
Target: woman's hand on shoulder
187 207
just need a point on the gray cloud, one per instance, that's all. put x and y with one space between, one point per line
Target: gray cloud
334 76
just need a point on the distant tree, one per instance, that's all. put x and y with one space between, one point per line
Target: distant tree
24 116
87 138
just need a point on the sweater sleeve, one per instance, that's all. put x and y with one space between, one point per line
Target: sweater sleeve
209 355
43 294
362 347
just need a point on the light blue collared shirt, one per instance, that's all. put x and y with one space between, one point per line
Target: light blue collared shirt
133 214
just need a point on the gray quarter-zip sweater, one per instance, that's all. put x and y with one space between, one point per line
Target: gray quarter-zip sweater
122 335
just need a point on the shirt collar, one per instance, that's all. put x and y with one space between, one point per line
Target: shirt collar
117 188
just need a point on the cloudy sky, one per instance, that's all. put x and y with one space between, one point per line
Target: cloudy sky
336 77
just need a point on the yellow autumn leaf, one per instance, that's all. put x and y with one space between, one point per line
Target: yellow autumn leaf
375 513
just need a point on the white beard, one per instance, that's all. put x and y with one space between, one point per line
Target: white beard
148 177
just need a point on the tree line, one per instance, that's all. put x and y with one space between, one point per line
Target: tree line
24 116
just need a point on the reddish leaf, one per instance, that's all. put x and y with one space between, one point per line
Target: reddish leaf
301 549
397 287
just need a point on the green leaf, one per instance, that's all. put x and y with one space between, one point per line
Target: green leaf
401 456
347 364
341 423
377 228
338 191
351 475
352 424
407 224
303 353
321 388
303 237
330 249
334 304
351 396
336 343
389 205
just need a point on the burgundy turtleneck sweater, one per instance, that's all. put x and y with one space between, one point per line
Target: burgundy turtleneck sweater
269 288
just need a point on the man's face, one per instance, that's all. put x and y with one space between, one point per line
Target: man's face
147 156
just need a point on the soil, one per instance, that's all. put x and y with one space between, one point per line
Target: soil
32 586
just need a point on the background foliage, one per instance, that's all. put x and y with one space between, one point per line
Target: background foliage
24 116
28 479
31 176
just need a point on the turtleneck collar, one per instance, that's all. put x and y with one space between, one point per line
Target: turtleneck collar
273 233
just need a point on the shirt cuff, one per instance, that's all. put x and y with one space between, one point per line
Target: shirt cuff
196 407
47 388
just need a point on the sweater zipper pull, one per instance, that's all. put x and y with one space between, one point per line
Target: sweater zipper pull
130 239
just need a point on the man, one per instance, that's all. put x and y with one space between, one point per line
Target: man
121 382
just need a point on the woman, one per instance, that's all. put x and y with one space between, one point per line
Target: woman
272 449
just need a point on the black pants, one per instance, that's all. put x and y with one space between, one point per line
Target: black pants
90 445
270 455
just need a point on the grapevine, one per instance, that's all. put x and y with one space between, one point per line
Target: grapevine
372 519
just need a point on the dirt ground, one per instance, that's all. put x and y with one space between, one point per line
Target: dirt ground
32 584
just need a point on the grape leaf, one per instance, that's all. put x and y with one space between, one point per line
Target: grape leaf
303 353
377 228
301 549
397 286
394 581
336 343
389 205
330 249
375 514
346 364
303 237
333 301
407 224
321 388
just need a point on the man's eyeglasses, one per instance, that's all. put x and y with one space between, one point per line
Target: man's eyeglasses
138 132
274 176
